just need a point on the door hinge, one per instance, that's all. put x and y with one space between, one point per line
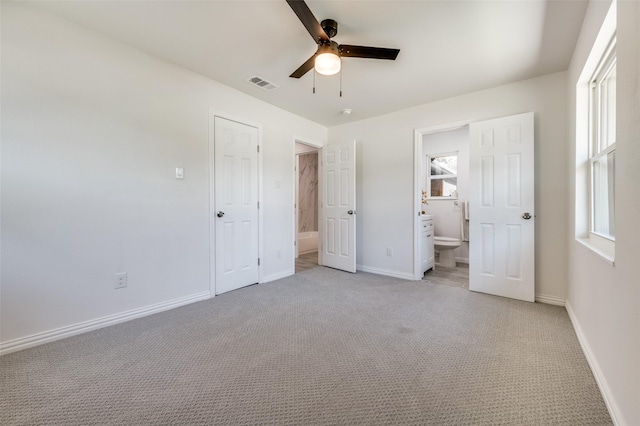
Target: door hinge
258 261
258 146
295 243
258 204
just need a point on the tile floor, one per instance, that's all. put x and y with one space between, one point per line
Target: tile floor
306 261
455 277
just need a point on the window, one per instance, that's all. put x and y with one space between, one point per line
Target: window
595 138
442 175
602 159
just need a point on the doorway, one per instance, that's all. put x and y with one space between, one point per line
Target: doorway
445 194
500 207
306 206
447 143
336 204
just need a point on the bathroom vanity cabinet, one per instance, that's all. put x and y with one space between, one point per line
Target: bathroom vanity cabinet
427 257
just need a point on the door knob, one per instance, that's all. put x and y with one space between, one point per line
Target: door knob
351 212
526 216
220 214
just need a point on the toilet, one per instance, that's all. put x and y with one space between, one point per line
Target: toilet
445 246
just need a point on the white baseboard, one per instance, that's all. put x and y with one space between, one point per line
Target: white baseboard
386 272
549 300
277 276
462 260
605 390
82 327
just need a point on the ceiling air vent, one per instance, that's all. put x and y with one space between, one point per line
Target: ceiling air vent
262 83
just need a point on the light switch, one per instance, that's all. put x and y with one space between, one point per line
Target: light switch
179 173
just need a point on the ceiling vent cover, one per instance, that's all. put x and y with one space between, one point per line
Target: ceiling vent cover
262 83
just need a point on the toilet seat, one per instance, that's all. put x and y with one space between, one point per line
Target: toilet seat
446 241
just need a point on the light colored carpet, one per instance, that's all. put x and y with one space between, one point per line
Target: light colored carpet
322 347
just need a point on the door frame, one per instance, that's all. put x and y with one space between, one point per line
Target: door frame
212 208
417 183
294 209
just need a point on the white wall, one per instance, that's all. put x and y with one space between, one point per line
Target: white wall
604 300
446 213
385 149
92 131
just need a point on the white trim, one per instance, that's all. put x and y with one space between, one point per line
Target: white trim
462 259
598 251
296 207
549 300
85 326
278 276
212 240
417 202
385 272
605 390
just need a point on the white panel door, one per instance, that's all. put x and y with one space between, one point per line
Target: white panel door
236 205
501 227
338 206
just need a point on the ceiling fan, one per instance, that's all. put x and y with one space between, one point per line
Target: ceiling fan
327 60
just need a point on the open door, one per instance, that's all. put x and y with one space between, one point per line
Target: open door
501 228
338 206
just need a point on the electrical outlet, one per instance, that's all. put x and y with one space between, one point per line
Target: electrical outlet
390 251
121 280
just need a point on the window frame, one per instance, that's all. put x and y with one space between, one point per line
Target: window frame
429 176
601 247
608 60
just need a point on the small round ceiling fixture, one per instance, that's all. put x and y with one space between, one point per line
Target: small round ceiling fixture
346 111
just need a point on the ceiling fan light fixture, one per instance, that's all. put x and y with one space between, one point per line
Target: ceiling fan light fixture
328 61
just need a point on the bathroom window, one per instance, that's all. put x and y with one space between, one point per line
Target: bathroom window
442 175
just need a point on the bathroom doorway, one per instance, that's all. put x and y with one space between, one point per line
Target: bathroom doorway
495 207
442 192
306 206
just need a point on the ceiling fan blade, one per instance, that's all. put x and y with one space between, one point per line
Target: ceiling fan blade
350 51
309 21
304 68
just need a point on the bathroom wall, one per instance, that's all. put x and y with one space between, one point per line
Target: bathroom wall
446 213
308 192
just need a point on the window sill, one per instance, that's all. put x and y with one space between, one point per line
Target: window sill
606 255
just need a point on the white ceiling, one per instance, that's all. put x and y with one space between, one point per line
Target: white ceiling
448 48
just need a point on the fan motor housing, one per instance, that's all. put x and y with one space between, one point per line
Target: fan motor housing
330 27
